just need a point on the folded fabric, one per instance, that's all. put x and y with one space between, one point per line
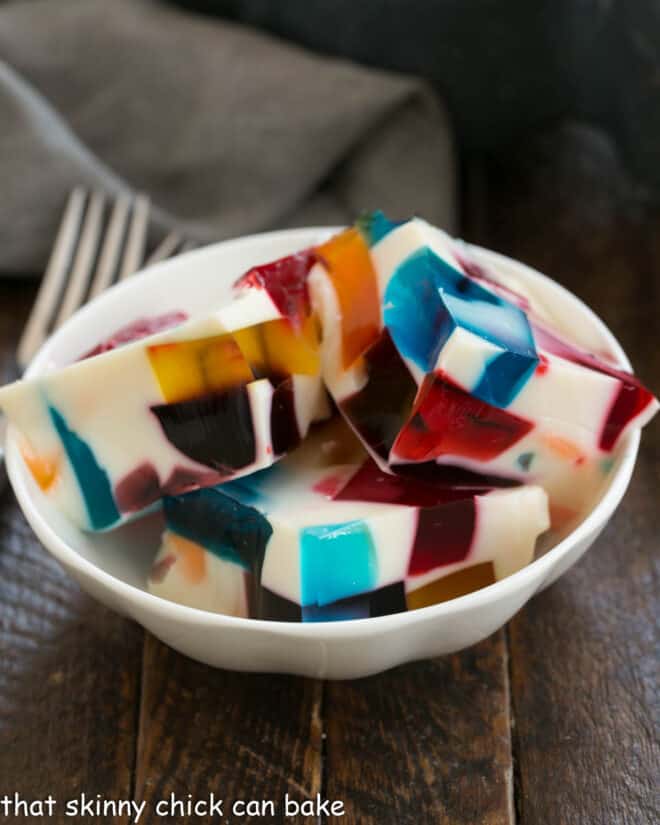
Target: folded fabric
228 131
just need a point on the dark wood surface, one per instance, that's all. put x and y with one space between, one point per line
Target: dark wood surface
552 720
427 742
242 737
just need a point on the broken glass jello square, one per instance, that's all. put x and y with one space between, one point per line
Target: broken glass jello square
210 399
450 368
327 535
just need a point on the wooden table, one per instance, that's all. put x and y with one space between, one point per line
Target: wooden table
552 720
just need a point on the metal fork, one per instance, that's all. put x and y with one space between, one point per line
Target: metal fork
97 245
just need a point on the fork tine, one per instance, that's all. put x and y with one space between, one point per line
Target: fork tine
83 264
109 257
47 300
137 236
165 249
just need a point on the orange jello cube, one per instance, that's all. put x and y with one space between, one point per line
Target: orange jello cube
347 260
45 469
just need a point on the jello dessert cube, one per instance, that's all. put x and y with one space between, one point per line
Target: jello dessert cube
326 535
432 361
204 401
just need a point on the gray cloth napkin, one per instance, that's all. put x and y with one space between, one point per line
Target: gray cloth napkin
229 131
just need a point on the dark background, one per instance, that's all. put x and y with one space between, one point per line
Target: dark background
508 69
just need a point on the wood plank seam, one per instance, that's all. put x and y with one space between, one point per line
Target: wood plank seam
515 780
138 724
320 721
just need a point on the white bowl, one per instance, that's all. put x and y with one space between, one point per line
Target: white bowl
112 567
